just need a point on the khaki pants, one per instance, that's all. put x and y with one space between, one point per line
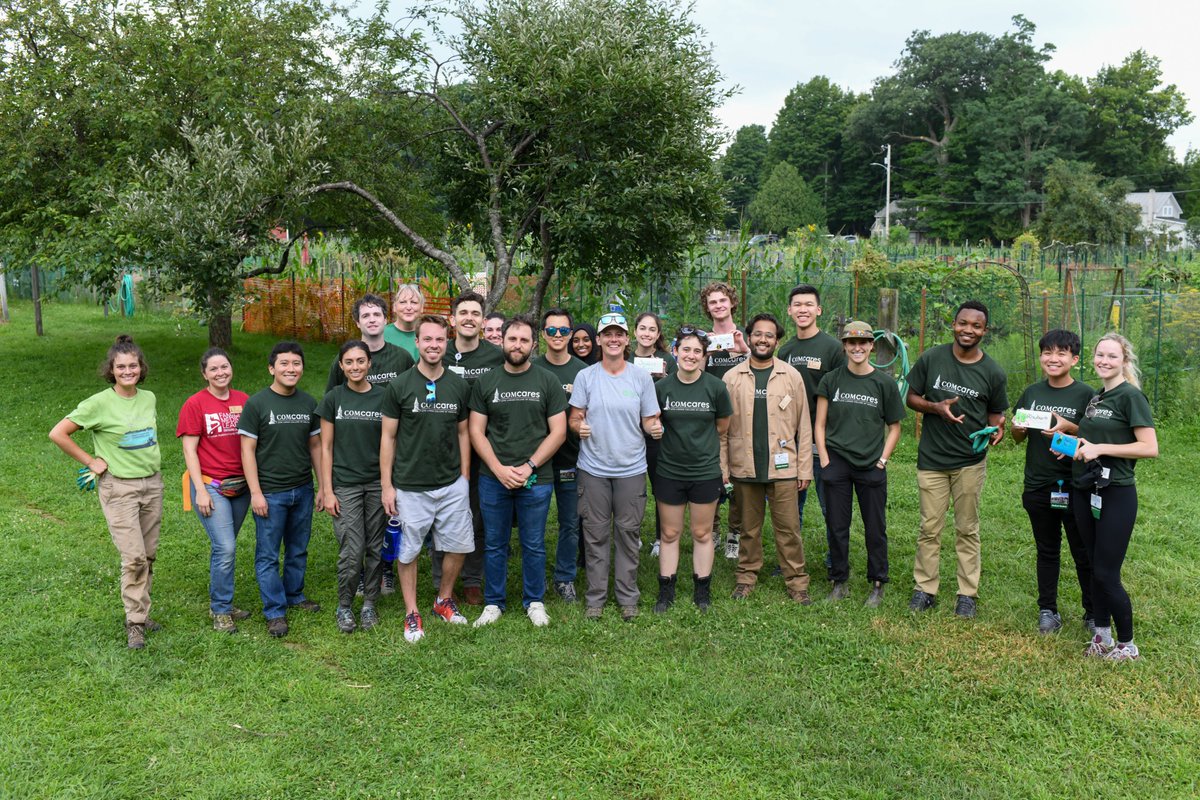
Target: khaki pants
133 509
938 489
751 499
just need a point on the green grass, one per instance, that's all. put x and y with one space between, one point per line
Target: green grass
759 699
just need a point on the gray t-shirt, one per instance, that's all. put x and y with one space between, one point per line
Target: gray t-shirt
615 406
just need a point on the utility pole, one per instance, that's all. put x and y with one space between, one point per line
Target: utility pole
887 206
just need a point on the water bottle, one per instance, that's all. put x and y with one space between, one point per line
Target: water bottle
391 540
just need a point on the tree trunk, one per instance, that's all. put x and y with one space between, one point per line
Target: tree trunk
543 282
220 329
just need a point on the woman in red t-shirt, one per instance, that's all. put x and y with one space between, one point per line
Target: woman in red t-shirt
208 430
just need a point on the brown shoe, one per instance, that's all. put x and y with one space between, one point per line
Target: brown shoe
238 614
152 626
629 613
306 605
473 596
800 596
135 635
277 626
742 591
223 623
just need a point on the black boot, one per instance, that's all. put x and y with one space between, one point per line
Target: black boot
666 594
702 591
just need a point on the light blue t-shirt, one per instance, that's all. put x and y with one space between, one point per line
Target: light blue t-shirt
615 406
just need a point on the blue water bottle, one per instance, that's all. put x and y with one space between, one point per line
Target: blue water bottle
391 540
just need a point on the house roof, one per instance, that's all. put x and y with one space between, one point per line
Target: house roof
1161 200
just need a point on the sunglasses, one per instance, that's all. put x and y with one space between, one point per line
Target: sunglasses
688 330
1090 411
430 392
612 319
550 330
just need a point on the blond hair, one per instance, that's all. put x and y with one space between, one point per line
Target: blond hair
1131 371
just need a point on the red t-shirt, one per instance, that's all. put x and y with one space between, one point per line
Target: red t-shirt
216 423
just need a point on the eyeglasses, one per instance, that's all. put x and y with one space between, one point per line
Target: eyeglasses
553 331
430 392
1090 411
613 319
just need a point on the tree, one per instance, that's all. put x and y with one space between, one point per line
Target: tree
1081 207
785 201
742 168
808 131
201 210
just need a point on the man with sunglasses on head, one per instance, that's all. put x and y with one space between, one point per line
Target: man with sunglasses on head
558 361
425 414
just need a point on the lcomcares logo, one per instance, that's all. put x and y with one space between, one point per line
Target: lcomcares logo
358 415
954 388
288 419
1062 411
433 408
686 405
518 396
853 397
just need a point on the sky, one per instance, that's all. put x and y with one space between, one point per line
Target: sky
766 47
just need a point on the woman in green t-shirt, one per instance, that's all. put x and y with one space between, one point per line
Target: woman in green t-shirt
125 472
1117 429
648 342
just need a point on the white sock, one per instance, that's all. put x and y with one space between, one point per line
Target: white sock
1105 635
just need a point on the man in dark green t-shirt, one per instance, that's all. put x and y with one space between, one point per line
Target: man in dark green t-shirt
518 421
1048 478
281 448
387 360
962 392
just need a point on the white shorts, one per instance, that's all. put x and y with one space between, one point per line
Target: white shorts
447 510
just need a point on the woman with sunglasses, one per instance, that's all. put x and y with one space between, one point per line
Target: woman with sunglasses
208 433
695 412
1117 429
650 353
351 425
125 472
584 344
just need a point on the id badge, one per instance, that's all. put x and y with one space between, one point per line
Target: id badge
1096 503
1060 500
565 475
782 460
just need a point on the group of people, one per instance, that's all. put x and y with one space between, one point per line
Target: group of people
447 434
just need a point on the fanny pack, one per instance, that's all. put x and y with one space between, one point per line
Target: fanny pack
230 487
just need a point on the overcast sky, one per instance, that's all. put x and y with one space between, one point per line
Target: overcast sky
768 46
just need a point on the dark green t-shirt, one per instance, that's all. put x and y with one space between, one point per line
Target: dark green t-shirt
356 426
565 374
472 364
721 361
860 409
1118 412
1043 469
690 449
981 389
386 365
427 454
518 408
282 424
668 362
813 358
762 448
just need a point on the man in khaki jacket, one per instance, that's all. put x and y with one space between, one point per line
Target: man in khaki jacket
767 452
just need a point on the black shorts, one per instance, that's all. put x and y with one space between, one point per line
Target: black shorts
678 493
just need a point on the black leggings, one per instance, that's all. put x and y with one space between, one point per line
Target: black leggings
1048 524
1107 540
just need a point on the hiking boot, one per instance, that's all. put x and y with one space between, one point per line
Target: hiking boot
135 635
965 607
654 548
238 614
388 584
731 547
593 612
537 615
629 613
800 596
565 590
921 601
490 614
368 618
1049 621
345 620
666 594
1098 648
742 591
702 592
447 609
414 631
840 591
223 623
1126 651
277 626
875 598
306 605
473 595
152 626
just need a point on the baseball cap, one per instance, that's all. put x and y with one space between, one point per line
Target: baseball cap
857 330
612 320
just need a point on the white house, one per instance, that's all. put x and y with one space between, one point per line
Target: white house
899 215
1159 216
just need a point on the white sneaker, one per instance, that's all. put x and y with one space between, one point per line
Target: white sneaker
490 614
731 547
1123 652
1097 648
654 549
537 615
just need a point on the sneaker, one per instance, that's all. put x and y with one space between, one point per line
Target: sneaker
345 620
742 591
414 631
629 613
135 635
362 588
875 598
473 595
731 547
447 609
388 584
1089 624
238 614
152 626
307 605
537 615
593 612
368 618
1123 652
490 614
223 623
277 626
1049 621
1097 648
921 601
840 591
654 548
800 596
965 607
565 590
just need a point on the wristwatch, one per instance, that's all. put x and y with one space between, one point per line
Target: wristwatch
532 465
882 462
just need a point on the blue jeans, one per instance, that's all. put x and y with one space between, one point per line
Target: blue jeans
222 527
566 552
816 488
532 506
288 523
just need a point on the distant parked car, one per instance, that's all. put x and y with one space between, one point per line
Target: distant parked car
850 238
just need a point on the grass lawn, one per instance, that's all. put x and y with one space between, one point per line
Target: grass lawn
759 699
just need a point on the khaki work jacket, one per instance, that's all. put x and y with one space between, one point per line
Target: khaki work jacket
788 426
